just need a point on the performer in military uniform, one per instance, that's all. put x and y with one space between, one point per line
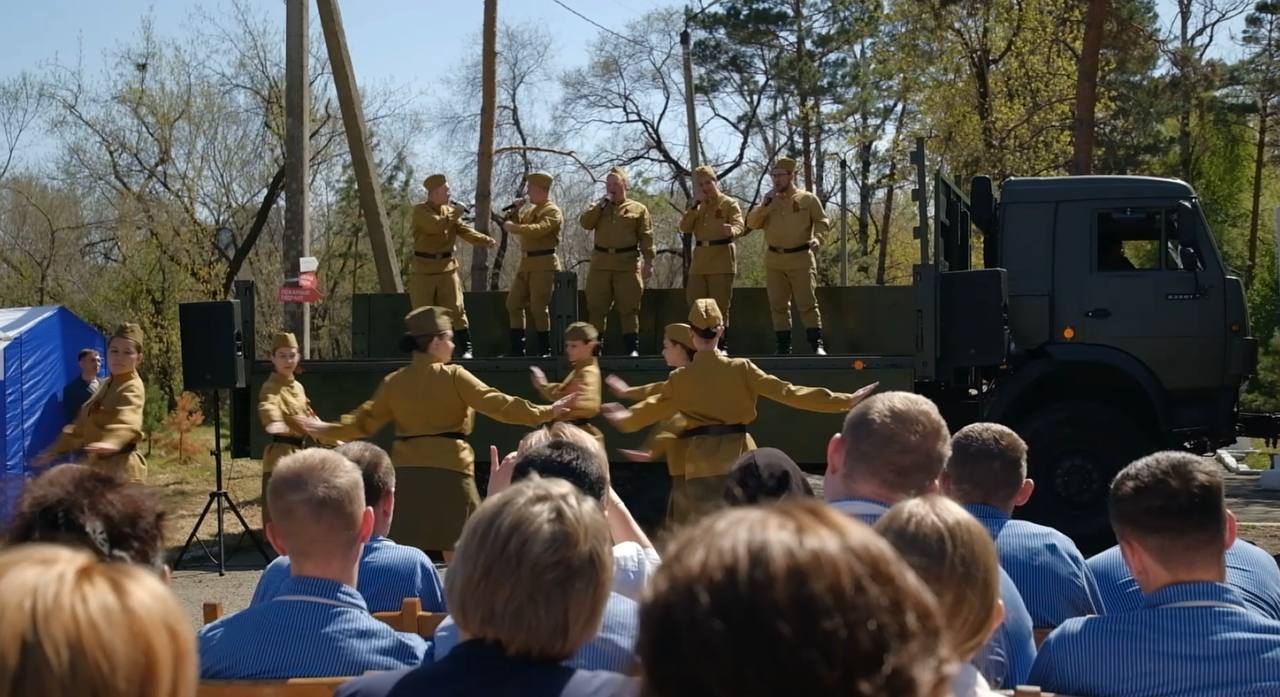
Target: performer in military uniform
714 220
581 346
717 396
109 426
794 223
664 440
433 405
623 236
434 280
538 228
281 402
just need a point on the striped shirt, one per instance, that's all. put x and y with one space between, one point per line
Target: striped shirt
612 649
1049 571
389 573
313 628
1006 660
1187 640
1251 573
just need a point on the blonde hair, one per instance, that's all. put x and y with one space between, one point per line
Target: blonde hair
955 556
737 585
63 615
317 502
532 570
897 440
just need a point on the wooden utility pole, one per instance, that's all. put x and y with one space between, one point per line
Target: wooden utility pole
484 162
297 155
691 121
367 183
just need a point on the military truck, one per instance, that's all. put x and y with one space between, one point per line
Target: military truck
1102 325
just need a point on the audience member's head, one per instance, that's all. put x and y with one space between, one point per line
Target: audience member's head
563 430
577 463
90 362
318 513
988 465
83 507
1171 519
762 475
954 555
893 446
789 599
379 477
63 616
532 570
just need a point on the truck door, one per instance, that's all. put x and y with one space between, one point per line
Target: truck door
1122 279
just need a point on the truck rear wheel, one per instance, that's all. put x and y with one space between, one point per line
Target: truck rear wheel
1074 450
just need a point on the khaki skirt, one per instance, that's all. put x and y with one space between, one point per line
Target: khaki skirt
131 465
704 495
432 505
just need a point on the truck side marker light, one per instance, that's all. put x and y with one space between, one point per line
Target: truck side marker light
859 365
1069 333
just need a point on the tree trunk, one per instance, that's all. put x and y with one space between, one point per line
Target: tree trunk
1182 66
488 114
806 99
864 198
1087 86
1259 159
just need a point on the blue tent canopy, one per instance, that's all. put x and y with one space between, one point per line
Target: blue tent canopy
38 349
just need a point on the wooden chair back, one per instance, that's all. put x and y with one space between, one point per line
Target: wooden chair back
412 619
212 612
295 687
1042 633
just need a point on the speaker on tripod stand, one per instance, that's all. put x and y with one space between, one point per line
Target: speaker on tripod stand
213 359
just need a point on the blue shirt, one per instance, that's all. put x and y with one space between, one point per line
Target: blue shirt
1006 660
612 649
479 668
1187 640
313 628
1251 573
389 573
1050 573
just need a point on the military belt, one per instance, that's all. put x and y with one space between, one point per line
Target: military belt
714 243
295 442
789 250
540 253
617 250
128 448
455 435
429 255
714 430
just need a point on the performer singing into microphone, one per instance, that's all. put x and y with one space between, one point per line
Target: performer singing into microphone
538 227
623 235
434 280
715 221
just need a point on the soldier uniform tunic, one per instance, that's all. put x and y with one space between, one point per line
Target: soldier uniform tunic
623 234
538 228
112 415
281 399
434 277
715 256
585 378
664 443
790 222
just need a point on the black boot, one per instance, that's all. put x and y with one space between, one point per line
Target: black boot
462 341
784 343
632 342
815 341
517 344
723 344
544 339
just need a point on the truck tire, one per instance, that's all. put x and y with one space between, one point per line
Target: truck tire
1075 449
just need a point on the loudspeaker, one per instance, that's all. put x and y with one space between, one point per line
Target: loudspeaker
564 307
974 322
212 345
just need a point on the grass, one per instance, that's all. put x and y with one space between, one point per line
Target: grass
183 489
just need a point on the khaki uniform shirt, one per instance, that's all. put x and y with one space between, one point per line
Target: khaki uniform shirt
716 389
538 227
283 399
792 219
427 397
585 378
112 415
626 224
435 231
705 223
664 441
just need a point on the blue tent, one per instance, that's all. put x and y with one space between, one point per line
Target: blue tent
38 348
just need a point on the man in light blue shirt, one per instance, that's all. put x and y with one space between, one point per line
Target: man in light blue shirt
893 447
987 474
389 572
317 625
1193 635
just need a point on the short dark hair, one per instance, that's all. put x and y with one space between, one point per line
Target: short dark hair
764 475
561 459
375 467
79 506
1171 503
85 353
988 464
708 333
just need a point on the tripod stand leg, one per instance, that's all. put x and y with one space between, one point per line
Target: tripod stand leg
194 530
222 545
247 530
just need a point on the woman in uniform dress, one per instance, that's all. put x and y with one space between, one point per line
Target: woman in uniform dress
581 347
281 402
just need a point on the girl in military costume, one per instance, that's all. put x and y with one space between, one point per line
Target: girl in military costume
109 425
281 402
433 404
581 347
717 396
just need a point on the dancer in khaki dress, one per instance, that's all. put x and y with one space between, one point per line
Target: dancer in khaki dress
581 346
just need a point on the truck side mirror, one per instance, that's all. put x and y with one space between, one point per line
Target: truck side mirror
982 203
1186 224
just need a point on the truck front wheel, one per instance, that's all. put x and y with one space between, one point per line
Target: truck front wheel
1074 450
